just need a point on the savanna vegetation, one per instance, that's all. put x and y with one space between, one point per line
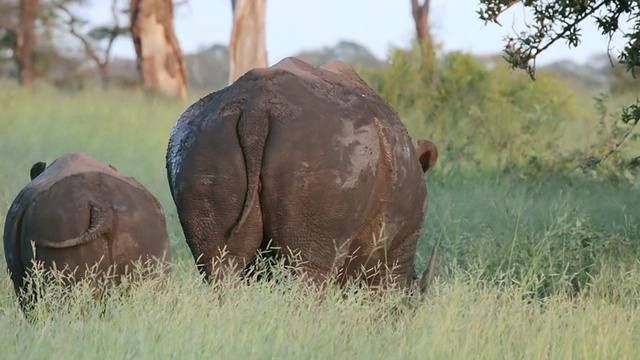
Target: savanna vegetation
538 251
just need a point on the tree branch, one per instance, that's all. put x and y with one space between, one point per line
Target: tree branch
523 50
560 35
506 7
592 163
114 13
414 5
419 10
89 50
630 114
114 33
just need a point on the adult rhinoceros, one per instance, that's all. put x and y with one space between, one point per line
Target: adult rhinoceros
79 212
307 158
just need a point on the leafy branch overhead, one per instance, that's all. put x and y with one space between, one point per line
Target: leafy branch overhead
560 20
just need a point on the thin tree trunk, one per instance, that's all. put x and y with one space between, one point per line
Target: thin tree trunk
247 48
160 60
105 72
26 41
421 19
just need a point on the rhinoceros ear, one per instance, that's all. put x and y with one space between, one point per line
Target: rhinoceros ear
37 169
427 154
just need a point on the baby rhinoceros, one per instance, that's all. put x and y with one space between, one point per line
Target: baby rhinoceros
80 213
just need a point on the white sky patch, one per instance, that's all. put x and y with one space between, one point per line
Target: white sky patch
293 26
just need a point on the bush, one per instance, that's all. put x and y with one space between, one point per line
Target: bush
484 115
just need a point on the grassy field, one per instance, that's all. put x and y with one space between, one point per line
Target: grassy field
530 267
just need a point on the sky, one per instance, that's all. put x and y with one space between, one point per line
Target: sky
295 25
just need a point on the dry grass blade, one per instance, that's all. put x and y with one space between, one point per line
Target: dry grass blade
427 275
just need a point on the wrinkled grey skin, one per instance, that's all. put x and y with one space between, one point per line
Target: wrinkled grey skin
79 212
309 158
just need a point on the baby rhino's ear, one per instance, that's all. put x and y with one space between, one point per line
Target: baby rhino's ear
37 169
427 154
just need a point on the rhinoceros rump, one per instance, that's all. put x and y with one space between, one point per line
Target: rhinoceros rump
80 212
309 159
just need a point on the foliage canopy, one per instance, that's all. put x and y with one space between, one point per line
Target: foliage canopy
560 20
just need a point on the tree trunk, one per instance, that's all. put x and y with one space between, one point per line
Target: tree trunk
105 71
26 41
421 19
160 60
247 48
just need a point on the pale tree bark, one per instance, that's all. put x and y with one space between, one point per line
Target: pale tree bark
247 48
423 33
160 59
26 41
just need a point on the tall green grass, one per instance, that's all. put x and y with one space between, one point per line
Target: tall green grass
127 130
542 266
182 318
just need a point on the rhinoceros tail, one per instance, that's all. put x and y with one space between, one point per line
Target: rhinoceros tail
12 248
427 275
253 129
100 223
